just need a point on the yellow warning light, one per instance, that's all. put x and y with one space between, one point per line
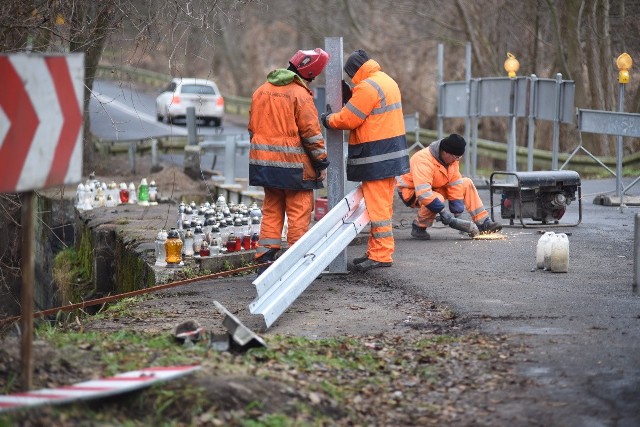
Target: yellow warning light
511 65
624 63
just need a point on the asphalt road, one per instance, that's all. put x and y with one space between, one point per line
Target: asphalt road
580 330
120 112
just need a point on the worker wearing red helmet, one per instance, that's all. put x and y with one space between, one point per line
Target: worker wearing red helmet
287 155
377 150
434 179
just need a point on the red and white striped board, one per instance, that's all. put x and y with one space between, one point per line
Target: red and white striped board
94 389
40 120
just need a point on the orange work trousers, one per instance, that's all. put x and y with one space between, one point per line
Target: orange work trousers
297 204
378 196
472 203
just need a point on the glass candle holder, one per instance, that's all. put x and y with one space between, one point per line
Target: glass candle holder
161 253
143 192
173 248
231 243
123 193
188 243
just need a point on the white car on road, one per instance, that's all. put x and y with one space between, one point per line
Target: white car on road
182 93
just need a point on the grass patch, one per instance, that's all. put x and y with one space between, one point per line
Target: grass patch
71 276
294 381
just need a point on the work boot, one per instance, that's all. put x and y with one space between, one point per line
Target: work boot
489 226
360 260
269 257
371 264
418 232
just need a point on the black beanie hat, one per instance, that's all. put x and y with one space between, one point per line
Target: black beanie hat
355 61
453 144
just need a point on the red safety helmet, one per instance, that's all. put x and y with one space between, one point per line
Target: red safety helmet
310 63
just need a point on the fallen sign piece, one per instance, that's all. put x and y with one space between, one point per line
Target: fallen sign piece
94 389
241 337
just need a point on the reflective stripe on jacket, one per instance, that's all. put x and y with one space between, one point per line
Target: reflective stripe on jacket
428 175
377 141
287 147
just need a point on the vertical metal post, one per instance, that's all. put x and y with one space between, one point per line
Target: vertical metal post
511 131
155 160
27 267
230 161
192 130
418 129
636 253
336 173
467 119
619 192
132 156
533 91
440 88
474 129
556 124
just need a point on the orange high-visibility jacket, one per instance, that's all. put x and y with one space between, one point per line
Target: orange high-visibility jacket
377 141
287 147
428 175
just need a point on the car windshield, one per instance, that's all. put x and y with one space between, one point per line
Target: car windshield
199 89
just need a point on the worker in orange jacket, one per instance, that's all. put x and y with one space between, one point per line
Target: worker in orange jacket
287 155
435 178
377 150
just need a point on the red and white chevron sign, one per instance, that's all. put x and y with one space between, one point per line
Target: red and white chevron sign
40 121
94 389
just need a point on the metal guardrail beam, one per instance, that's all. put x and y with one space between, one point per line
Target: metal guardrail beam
283 282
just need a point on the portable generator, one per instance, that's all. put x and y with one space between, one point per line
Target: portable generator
542 196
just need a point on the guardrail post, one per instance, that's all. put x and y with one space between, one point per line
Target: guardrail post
192 130
336 173
155 159
636 254
132 156
230 161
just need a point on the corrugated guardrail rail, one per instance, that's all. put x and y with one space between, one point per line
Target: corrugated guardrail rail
283 282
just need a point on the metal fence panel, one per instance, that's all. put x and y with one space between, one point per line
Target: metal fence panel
609 123
454 102
494 96
546 100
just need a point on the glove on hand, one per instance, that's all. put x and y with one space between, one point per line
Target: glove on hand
346 92
323 117
446 217
456 207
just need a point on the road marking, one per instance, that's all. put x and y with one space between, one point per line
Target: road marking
112 102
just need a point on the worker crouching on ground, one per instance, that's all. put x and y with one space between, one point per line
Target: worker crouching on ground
287 155
377 150
434 178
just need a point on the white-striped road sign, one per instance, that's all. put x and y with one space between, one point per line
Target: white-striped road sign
94 389
40 120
